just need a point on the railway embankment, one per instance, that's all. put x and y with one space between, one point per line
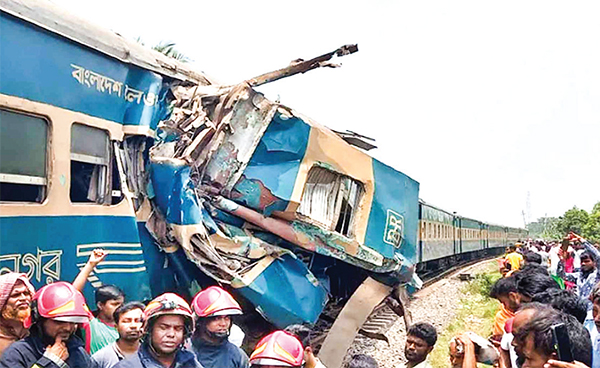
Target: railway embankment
451 305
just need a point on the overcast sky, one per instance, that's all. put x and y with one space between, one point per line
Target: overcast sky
480 102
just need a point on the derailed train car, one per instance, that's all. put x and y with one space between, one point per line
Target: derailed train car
278 207
186 183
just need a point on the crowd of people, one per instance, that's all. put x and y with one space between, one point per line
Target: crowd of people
54 328
549 313
549 299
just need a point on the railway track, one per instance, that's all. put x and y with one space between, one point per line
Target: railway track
383 317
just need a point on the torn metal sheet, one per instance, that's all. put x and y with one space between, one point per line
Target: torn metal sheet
284 291
302 66
250 114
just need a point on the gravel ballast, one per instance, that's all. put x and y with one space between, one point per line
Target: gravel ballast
435 304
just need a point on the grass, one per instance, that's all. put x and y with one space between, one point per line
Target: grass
476 311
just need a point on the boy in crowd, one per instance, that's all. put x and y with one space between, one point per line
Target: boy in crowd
420 340
102 330
129 319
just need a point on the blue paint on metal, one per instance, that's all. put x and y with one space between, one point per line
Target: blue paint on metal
278 156
160 277
32 250
286 292
174 193
41 66
253 194
395 197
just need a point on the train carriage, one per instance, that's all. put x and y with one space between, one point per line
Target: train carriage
497 236
70 93
471 235
436 233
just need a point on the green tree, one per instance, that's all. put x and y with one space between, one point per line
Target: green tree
591 230
574 220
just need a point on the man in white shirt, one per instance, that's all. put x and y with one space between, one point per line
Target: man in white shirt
420 340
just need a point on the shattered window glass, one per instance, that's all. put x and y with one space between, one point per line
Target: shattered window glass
23 155
331 200
90 158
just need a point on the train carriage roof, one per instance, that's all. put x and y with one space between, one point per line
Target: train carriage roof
49 16
423 203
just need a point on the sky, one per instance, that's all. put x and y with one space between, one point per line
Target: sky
488 105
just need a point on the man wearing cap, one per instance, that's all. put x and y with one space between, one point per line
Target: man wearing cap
213 308
56 311
15 296
168 321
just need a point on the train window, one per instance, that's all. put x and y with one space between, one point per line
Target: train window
90 165
23 157
331 199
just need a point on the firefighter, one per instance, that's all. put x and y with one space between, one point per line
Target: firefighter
167 322
56 311
213 308
279 349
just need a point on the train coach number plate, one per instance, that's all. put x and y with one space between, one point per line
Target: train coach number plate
394 229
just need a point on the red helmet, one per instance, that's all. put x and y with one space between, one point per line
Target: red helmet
280 349
59 301
214 301
168 303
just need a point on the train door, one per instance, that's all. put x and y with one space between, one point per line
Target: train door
420 234
457 236
484 235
